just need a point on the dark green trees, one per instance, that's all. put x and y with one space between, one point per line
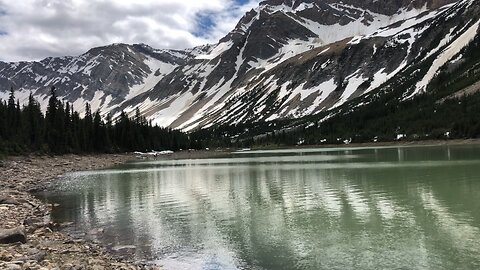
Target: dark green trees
33 122
62 130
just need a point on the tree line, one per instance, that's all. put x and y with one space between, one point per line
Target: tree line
61 130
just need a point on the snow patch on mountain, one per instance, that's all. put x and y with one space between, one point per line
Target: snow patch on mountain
449 53
178 103
158 70
217 50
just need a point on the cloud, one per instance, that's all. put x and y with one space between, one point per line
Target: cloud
34 29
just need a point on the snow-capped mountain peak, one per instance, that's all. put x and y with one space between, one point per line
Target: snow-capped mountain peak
284 59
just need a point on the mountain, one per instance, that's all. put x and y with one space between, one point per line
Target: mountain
285 59
104 76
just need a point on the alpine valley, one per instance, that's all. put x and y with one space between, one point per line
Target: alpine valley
287 63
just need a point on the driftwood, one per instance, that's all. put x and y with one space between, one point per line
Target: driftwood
8 236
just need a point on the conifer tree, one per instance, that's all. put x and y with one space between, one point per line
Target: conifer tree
3 123
34 122
51 132
88 129
11 115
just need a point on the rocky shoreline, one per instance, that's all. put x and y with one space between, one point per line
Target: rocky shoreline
28 238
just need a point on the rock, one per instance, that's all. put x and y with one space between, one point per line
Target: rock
15 235
13 267
95 261
67 266
122 248
34 255
6 257
8 200
96 231
35 223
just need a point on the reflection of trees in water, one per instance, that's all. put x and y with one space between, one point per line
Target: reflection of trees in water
322 214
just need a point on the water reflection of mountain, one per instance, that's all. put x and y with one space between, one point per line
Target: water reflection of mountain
349 209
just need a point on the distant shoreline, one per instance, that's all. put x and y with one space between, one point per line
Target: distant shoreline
377 144
224 152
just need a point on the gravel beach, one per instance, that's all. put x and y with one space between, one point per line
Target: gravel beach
28 238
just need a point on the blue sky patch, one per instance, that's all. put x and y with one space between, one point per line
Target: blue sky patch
205 23
241 2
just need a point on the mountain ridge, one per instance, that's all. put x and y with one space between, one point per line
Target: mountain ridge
228 82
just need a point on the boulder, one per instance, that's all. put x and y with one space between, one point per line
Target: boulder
8 236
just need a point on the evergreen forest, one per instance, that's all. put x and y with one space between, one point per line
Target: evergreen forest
61 130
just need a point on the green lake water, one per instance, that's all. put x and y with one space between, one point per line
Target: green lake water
343 208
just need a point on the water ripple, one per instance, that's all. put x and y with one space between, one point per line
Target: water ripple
384 208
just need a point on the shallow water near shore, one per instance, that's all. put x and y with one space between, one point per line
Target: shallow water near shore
339 208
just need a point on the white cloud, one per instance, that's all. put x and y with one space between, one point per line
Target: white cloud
34 29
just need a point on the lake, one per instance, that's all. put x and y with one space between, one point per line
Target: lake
339 208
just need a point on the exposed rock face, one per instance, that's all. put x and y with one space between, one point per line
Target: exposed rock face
390 7
284 59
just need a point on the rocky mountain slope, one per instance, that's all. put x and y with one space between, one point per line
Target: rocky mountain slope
284 59
104 76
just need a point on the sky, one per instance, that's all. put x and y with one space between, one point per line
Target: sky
35 29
